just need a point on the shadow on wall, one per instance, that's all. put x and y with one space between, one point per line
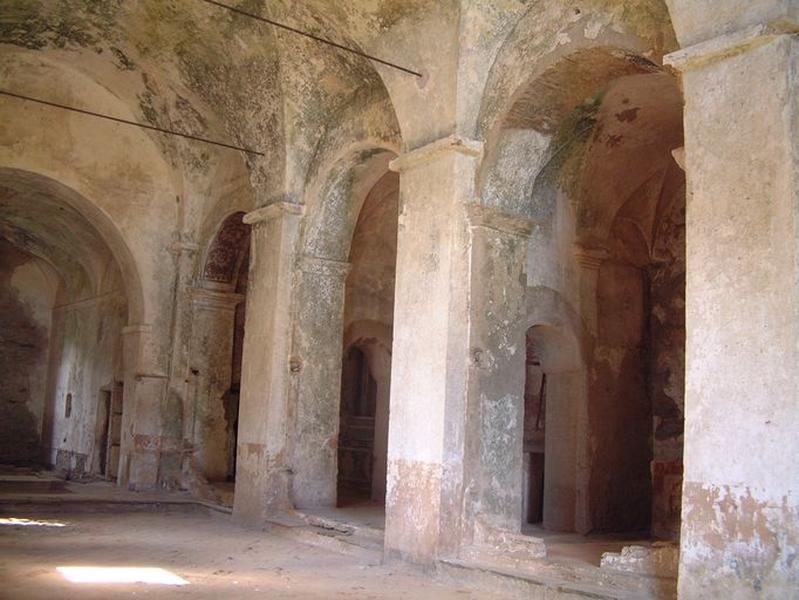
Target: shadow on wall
27 293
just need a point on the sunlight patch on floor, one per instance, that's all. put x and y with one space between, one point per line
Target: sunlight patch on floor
30 522
151 575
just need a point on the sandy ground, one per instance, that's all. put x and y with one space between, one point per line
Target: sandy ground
219 560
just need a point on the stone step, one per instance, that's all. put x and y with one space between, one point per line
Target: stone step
364 547
16 470
660 559
345 527
224 493
350 545
505 547
525 584
31 484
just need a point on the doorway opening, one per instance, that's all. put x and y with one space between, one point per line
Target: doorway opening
366 359
109 435
356 449
535 386
554 386
231 398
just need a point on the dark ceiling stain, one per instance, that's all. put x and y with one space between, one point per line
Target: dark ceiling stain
629 115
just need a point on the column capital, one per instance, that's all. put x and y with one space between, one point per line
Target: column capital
491 217
679 156
184 246
730 44
272 211
434 150
215 300
137 328
325 267
590 257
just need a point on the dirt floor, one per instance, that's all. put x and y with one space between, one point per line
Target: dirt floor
216 558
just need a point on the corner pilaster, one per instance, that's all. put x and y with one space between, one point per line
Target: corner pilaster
262 471
742 308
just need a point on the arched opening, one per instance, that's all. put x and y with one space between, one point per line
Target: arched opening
552 391
218 323
232 399
608 198
356 447
631 220
366 363
63 307
625 196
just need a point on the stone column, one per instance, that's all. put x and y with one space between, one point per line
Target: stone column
578 465
380 364
589 260
211 361
262 482
619 418
154 359
176 401
316 363
497 324
145 384
740 503
430 350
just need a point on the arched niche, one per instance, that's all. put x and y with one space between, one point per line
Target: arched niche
215 358
346 275
553 401
227 255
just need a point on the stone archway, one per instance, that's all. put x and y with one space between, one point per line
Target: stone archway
368 319
65 279
608 203
218 323
346 276
613 202
630 245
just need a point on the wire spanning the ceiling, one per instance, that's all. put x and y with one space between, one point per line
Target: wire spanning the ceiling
197 138
91 113
316 38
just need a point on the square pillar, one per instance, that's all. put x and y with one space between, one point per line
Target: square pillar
430 350
154 387
574 466
211 365
740 515
145 384
317 363
496 377
262 472
177 404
